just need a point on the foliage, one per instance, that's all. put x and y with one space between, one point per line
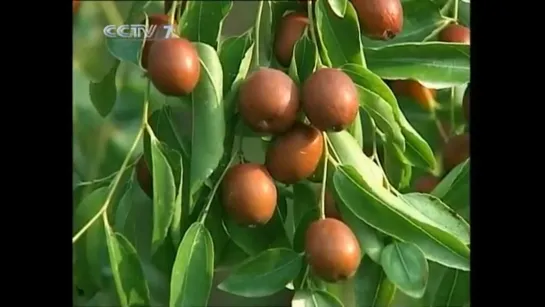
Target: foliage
133 250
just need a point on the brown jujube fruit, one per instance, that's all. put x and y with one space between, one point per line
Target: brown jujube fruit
456 151
75 6
173 66
413 89
249 194
294 155
426 184
155 19
465 103
332 250
455 33
290 29
330 99
268 101
143 176
380 19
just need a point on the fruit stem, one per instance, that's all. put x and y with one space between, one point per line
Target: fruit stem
172 13
324 178
452 109
442 132
112 175
204 213
256 34
111 12
120 172
305 278
455 9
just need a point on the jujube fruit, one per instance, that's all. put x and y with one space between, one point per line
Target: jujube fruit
330 99
158 20
173 66
426 184
75 6
249 194
455 33
294 155
268 101
290 29
332 250
143 176
380 19
455 151
465 103
413 89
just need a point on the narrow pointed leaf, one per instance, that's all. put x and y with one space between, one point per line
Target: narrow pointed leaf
232 52
406 267
340 38
208 119
453 190
104 93
390 215
371 286
164 194
202 21
130 283
264 274
193 269
440 214
304 60
338 7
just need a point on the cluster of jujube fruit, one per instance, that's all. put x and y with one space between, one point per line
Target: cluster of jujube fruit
270 102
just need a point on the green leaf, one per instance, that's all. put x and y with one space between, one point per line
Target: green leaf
163 124
264 274
371 286
304 199
397 169
338 7
134 220
440 214
304 60
88 259
369 239
453 190
340 38
177 163
301 228
104 93
417 150
453 289
392 216
348 151
214 224
126 50
208 119
164 193
420 19
406 267
233 53
132 289
314 298
202 21
381 112
438 64
193 269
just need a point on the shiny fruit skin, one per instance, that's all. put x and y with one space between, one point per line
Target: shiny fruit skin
380 19
455 33
173 66
268 101
330 99
295 155
143 176
290 29
456 151
332 250
249 194
465 104
426 184
413 89
155 19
